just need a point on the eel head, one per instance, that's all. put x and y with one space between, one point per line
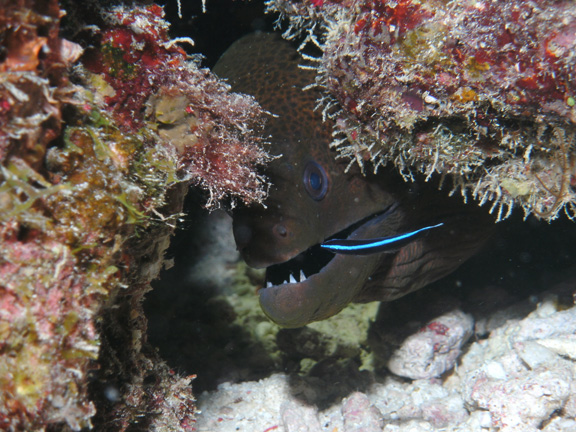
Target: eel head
313 199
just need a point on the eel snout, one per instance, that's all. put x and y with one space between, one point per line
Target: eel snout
266 239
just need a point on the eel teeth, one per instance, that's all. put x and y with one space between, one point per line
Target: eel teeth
301 278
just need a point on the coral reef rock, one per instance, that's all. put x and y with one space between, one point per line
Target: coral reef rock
434 349
100 139
482 92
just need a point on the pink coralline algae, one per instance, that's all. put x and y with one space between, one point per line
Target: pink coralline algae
47 328
481 92
38 386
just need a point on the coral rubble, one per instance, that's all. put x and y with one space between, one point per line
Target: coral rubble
99 140
482 92
521 378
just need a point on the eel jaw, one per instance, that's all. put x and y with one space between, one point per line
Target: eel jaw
320 295
317 284
315 258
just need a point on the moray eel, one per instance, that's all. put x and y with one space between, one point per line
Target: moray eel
413 232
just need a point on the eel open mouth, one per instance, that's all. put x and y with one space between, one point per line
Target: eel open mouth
299 268
315 258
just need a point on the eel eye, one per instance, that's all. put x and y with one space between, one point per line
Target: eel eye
315 180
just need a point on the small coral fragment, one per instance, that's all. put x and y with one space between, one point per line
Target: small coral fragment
360 415
434 349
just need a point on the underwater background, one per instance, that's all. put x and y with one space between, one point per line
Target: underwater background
125 304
